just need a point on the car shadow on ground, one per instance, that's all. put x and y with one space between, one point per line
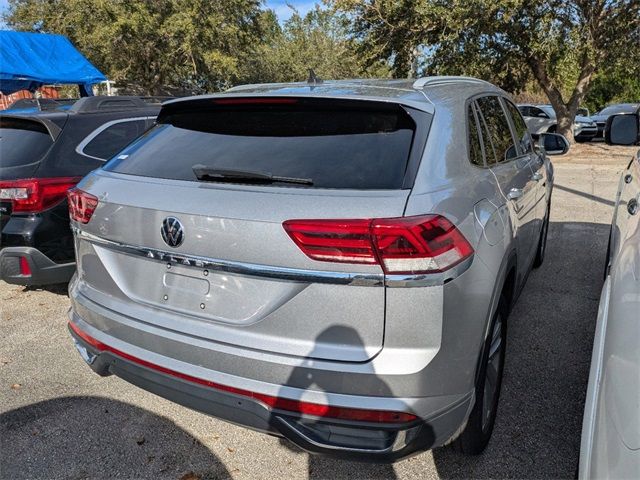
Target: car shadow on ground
550 336
56 288
94 437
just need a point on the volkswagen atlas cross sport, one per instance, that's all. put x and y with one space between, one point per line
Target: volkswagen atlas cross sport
331 262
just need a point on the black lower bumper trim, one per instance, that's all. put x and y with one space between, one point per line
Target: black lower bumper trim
353 440
44 271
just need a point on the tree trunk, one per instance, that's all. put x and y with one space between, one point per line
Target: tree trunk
565 111
565 117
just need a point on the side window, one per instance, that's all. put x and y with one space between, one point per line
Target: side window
475 150
114 138
498 126
522 133
525 111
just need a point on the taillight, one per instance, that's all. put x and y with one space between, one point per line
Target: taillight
25 268
407 245
81 205
35 195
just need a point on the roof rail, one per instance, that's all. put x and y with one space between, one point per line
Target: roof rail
101 103
424 81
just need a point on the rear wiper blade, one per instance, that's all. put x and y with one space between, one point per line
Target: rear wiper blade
208 174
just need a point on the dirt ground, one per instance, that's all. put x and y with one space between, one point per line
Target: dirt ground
596 153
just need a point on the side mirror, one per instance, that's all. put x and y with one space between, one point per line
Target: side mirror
623 129
553 144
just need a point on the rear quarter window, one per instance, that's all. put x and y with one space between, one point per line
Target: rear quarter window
105 142
22 142
498 128
365 146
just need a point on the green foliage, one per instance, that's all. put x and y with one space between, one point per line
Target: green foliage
153 45
166 46
560 44
569 51
317 41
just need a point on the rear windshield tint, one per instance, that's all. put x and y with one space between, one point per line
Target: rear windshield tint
22 142
354 147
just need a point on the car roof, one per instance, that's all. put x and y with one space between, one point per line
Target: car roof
423 93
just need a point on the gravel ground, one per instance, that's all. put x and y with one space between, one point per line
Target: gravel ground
59 420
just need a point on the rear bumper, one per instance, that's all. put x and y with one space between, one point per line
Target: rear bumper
350 439
43 271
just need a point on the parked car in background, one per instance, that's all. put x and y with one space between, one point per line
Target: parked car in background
542 119
33 105
43 155
610 446
332 262
616 109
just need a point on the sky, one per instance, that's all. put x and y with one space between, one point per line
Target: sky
279 6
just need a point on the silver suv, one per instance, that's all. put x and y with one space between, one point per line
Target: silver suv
331 262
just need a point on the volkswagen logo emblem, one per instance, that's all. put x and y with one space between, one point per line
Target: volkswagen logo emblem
172 232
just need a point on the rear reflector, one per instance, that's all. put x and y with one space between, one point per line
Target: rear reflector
278 403
35 195
404 245
25 269
81 205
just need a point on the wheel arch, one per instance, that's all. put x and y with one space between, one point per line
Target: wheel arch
507 284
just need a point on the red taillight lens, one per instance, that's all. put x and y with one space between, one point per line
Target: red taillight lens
429 243
35 195
346 241
409 245
25 269
81 205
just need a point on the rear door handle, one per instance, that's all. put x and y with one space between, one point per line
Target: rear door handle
514 194
536 177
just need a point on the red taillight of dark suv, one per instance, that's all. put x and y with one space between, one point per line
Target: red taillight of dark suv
34 195
404 245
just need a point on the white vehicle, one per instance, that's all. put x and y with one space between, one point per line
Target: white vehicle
610 446
542 119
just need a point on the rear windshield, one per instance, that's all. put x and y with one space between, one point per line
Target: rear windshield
624 108
354 147
22 142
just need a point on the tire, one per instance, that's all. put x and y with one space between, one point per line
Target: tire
542 242
477 433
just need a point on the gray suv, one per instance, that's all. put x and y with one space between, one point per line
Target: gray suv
332 262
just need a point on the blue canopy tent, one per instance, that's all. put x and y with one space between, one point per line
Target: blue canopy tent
30 60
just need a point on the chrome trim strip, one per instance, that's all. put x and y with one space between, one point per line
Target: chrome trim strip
240 268
280 273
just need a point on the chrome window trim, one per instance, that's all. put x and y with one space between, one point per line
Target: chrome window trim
82 145
280 273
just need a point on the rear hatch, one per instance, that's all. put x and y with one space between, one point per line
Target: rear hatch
229 173
23 144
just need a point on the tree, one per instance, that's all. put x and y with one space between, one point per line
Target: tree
152 46
561 44
318 40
